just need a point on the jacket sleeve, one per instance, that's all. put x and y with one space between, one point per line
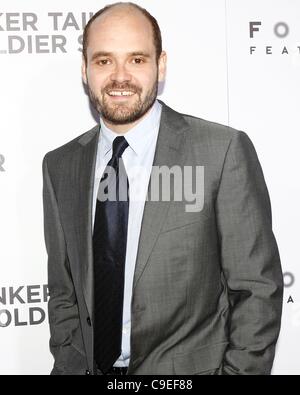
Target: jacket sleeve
62 305
250 261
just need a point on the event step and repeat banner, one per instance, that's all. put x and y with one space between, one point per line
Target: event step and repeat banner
233 62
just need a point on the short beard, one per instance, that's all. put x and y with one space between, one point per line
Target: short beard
123 115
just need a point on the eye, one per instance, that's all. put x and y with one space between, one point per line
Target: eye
103 62
138 60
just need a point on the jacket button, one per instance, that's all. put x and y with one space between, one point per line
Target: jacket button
87 372
88 320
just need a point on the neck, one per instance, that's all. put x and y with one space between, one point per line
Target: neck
122 129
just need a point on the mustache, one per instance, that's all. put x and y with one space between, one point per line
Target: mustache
124 86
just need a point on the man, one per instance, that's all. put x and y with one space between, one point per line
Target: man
151 286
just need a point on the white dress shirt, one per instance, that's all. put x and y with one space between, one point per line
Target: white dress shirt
138 160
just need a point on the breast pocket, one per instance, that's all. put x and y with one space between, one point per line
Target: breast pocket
178 216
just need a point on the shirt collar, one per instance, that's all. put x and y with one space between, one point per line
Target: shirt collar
139 136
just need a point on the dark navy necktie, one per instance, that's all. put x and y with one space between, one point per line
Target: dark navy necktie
109 250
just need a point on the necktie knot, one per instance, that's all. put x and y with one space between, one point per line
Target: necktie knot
119 146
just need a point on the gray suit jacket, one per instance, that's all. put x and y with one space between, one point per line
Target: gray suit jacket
207 292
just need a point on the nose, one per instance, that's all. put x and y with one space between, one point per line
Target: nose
120 74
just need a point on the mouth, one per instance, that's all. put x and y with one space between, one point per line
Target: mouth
117 94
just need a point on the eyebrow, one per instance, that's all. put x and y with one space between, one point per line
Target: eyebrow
104 53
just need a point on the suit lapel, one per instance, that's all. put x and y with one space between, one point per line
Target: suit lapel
169 152
84 178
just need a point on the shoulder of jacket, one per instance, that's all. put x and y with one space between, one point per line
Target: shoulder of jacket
212 130
71 146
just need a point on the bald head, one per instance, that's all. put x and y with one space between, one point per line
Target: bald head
121 8
128 13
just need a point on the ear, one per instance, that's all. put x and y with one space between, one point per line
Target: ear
162 66
83 71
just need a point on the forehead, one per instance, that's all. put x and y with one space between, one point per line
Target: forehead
120 31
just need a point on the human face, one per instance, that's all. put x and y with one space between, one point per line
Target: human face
122 71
